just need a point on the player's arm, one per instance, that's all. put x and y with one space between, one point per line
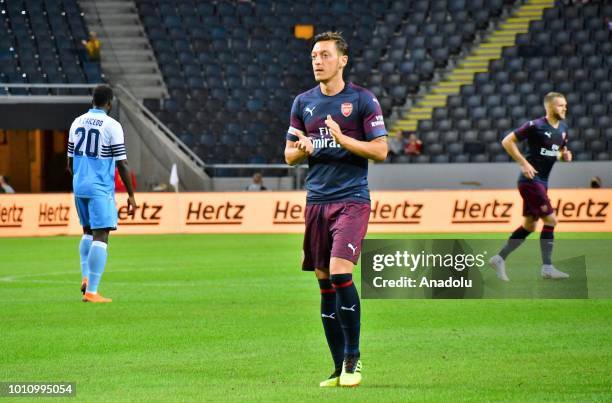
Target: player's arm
298 151
126 177
70 153
566 155
510 144
120 157
375 149
298 146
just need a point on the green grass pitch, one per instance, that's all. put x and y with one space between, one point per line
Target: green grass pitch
232 318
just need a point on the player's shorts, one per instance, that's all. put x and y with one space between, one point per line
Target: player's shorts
535 199
97 212
334 230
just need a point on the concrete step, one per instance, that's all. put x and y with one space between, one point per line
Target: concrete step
120 19
149 92
125 44
135 55
140 68
138 80
133 30
107 6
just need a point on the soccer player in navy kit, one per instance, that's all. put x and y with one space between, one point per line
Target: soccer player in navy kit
337 127
547 141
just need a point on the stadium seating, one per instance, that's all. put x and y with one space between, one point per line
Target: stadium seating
233 68
414 39
569 51
239 63
40 42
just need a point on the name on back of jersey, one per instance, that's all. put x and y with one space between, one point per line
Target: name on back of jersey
91 121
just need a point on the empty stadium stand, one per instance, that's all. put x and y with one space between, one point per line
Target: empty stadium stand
40 42
569 50
232 69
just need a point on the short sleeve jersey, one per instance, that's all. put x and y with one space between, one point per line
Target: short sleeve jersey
544 143
95 141
336 174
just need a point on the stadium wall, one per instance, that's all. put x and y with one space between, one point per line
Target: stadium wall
578 210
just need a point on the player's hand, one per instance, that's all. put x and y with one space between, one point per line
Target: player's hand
566 155
334 128
304 144
528 170
131 205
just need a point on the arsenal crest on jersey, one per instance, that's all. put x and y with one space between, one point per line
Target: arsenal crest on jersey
346 109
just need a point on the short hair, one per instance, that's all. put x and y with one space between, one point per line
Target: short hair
102 95
548 98
337 37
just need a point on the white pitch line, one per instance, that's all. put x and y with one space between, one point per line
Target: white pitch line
23 278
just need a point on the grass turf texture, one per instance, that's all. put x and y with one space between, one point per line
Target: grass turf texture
231 317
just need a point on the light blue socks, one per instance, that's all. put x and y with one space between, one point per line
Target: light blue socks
84 252
96 261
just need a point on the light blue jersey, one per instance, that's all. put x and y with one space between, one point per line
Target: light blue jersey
95 142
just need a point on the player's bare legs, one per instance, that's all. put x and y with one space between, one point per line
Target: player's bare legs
547 239
498 262
348 308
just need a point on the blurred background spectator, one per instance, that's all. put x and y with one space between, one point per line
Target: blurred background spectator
5 187
92 47
414 146
396 144
257 184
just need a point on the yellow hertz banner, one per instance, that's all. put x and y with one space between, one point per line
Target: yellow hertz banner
578 210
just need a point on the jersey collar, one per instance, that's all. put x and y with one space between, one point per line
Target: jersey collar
96 110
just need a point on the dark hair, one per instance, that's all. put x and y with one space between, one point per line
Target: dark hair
341 44
102 95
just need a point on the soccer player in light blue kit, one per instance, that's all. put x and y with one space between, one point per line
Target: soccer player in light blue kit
95 144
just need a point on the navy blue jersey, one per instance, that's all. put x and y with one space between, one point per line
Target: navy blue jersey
544 143
334 173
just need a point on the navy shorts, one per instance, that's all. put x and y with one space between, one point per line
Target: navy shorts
334 230
535 199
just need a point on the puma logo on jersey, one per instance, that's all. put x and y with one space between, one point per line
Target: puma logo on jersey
351 247
310 110
548 134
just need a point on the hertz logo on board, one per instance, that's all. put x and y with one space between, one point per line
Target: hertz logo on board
288 213
588 211
211 214
470 212
11 216
405 212
53 215
144 214
396 213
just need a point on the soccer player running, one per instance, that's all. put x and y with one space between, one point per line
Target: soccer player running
546 142
95 144
337 127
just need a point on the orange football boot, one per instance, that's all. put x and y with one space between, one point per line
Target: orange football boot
95 298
